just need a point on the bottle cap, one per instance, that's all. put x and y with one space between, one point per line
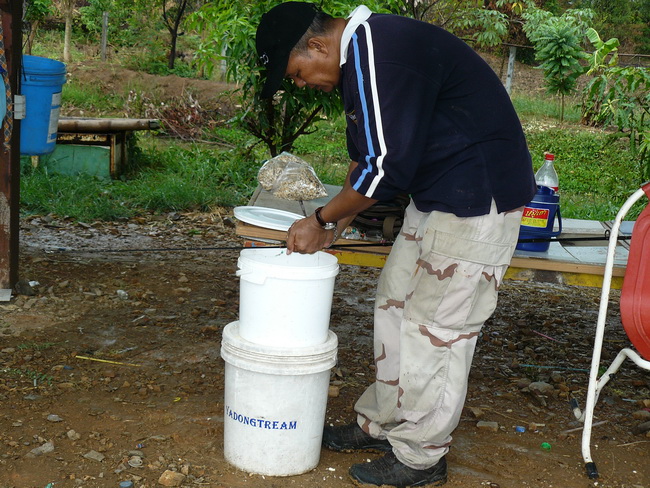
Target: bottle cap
548 155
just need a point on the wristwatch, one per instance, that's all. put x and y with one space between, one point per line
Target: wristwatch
324 225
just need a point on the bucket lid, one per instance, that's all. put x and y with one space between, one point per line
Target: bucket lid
276 263
269 218
274 359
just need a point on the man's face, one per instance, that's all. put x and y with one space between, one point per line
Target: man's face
315 69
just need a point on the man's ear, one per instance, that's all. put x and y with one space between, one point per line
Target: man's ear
318 44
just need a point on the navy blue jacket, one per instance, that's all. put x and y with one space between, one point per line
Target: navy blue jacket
429 117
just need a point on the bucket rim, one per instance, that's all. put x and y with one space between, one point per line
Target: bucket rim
249 252
232 337
43 66
282 270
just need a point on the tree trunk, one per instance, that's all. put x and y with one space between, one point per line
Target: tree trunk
68 6
172 50
30 37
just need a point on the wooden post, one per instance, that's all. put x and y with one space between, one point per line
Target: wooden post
104 34
11 13
511 69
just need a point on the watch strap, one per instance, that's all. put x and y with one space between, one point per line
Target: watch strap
319 219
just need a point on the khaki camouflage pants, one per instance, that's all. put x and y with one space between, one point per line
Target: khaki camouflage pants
438 287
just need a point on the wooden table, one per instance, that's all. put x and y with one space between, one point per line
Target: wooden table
567 262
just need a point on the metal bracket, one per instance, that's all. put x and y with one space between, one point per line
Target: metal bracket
19 107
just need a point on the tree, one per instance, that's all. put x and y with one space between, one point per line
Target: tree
67 8
131 21
619 96
557 42
35 12
172 15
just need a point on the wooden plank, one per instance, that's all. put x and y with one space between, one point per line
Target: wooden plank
563 266
85 124
560 277
11 14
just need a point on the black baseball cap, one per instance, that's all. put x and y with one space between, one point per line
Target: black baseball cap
279 31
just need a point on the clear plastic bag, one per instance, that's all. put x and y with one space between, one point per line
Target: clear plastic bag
290 178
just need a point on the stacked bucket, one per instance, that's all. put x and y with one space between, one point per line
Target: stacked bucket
278 358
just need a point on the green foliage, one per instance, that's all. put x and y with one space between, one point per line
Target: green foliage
557 42
487 27
620 97
37 10
128 20
603 49
560 54
35 376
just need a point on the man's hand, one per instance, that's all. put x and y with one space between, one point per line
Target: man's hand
306 236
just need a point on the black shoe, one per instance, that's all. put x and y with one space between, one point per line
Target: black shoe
346 438
388 470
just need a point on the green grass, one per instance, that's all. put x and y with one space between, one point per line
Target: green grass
546 107
170 177
91 99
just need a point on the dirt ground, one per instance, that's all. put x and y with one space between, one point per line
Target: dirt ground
152 295
110 366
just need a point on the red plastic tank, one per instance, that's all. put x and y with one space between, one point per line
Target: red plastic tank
635 294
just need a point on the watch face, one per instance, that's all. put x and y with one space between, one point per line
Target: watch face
329 226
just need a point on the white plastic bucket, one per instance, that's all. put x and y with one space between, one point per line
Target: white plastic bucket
285 300
274 404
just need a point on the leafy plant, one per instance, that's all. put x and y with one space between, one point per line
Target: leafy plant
620 97
557 42
129 21
603 49
35 376
35 12
487 27
173 15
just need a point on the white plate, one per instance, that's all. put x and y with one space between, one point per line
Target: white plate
269 218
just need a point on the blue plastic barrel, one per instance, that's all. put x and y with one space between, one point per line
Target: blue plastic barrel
41 82
538 220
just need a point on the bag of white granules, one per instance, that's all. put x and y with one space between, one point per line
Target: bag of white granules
291 178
